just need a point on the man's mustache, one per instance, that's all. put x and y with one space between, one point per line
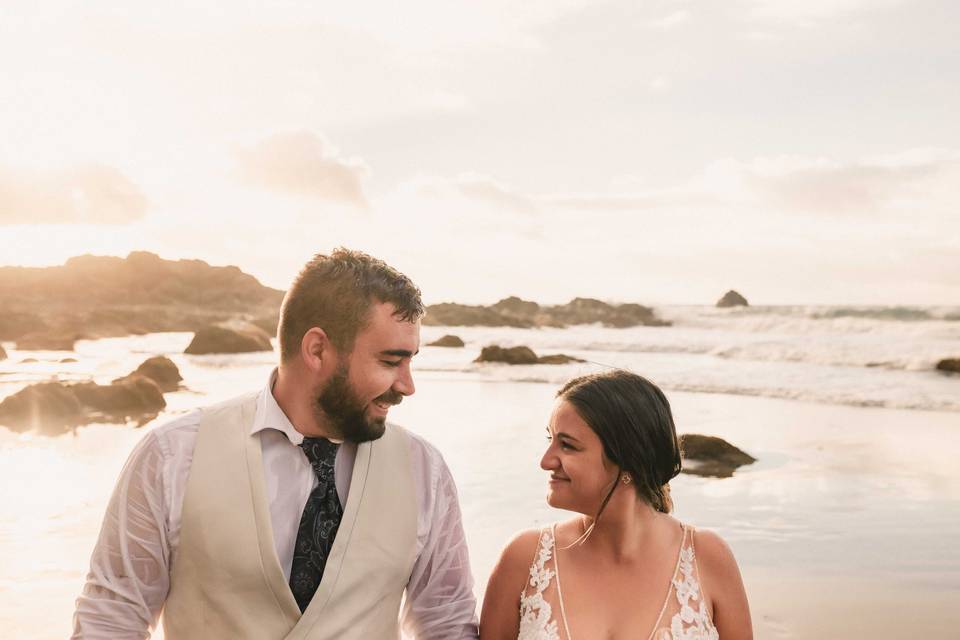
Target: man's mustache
390 397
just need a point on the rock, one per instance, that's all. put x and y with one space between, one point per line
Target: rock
450 314
67 360
515 312
29 361
161 370
269 323
49 407
950 365
447 341
732 299
3 354
46 342
214 339
512 355
521 355
711 456
558 358
134 397
16 324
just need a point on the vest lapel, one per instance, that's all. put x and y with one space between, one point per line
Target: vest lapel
272 570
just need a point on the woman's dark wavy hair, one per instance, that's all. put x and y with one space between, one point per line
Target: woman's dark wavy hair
632 418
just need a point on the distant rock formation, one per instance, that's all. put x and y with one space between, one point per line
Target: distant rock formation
47 342
100 296
732 299
161 370
711 456
214 339
53 408
447 341
514 312
521 355
950 365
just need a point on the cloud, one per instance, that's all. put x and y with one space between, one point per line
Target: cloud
806 11
86 194
303 163
672 20
480 189
819 185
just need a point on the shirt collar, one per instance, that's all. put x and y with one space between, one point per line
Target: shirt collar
269 415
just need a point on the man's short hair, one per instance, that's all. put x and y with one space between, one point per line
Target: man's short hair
336 293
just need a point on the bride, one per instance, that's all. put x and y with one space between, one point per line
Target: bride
623 569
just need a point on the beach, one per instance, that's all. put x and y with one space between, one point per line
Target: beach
844 526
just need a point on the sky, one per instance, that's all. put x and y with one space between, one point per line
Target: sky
801 152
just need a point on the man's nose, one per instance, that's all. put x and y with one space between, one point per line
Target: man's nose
404 383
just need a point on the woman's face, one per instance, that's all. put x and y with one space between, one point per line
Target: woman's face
580 473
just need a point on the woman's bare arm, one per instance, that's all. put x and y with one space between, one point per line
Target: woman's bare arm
500 615
720 580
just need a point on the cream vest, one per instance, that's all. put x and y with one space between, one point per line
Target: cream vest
226 580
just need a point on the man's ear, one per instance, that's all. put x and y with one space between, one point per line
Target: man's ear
315 348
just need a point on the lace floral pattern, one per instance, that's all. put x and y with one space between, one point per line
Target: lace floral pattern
690 622
536 614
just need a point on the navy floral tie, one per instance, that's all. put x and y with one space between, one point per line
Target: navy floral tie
319 523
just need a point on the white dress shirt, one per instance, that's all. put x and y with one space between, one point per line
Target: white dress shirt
130 568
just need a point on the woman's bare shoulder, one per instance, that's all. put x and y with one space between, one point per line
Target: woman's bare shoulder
715 559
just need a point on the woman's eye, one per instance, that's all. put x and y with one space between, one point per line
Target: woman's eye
565 446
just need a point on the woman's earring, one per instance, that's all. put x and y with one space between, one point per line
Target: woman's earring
626 479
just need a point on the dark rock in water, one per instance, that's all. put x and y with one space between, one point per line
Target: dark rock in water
3 354
511 355
49 407
447 341
47 342
67 360
29 361
558 358
221 340
133 397
521 355
950 365
711 456
732 299
161 370
53 408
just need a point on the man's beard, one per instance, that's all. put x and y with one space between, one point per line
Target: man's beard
338 405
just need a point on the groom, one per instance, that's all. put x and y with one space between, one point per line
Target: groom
295 512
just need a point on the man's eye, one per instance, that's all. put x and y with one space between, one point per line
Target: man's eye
392 363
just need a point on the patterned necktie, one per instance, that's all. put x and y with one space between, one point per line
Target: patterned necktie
319 523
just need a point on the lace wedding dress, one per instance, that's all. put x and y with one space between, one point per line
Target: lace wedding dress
684 615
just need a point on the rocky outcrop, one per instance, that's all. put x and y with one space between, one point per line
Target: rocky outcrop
222 340
49 407
447 341
103 296
732 299
711 456
515 312
53 408
47 342
160 369
520 355
950 365
3 354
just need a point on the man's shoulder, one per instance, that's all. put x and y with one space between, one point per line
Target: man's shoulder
420 447
180 432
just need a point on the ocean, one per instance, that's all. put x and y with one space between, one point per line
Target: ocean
850 512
